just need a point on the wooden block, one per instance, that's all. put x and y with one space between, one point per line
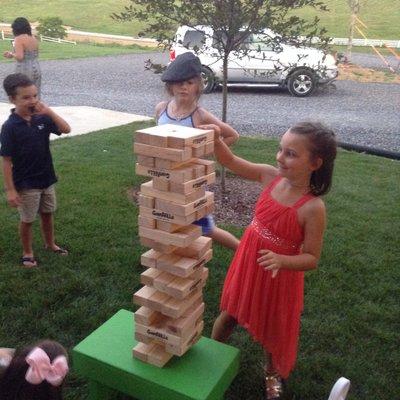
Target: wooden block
158 356
146 316
146 161
177 136
141 350
175 308
161 184
168 164
191 318
208 164
146 201
158 300
142 296
183 238
147 277
197 249
205 211
167 153
143 338
183 348
162 248
181 174
199 151
173 263
158 334
186 209
209 148
167 226
168 217
180 288
194 184
147 189
164 279
147 222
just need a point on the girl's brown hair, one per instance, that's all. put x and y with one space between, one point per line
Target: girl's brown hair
322 144
13 385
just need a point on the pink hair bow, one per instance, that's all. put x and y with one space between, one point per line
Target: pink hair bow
40 368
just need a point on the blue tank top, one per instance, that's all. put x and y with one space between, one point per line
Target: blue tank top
164 118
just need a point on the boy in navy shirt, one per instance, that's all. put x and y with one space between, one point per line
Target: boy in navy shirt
28 170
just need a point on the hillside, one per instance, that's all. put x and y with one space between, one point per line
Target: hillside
381 16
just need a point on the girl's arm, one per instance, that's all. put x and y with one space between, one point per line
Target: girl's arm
160 107
313 217
228 134
262 173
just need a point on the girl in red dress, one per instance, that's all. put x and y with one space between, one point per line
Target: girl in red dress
263 289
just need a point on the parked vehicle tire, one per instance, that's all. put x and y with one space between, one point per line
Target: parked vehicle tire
302 82
208 80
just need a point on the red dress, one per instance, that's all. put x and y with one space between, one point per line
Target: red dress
269 308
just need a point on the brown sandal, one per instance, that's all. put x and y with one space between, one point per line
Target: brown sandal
273 386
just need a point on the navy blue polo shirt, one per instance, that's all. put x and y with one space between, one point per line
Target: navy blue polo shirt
28 145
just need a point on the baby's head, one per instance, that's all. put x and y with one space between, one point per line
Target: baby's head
321 143
35 372
21 26
185 67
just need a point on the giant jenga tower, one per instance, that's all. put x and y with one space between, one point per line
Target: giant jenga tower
170 319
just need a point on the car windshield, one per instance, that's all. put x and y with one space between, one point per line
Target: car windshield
260 42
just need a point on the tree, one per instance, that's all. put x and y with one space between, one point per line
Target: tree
355 9
52 27
234 20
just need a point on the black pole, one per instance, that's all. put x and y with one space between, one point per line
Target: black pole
394 155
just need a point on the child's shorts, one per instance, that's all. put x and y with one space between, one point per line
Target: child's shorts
207 224
36 201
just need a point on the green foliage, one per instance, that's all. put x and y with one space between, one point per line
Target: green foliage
52 27
350 325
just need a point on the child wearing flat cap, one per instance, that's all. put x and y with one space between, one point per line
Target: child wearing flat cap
184 84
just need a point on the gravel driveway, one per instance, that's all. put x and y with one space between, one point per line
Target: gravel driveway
361 113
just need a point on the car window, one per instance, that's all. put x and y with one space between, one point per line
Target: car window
260 42
193 39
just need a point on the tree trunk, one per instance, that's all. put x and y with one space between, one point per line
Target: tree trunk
224 109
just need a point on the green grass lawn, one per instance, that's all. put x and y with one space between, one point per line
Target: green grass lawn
64 51
381 16
350 325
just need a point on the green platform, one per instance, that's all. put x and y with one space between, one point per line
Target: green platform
105 359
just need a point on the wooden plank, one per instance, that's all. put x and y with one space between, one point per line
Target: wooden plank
177 136
163 152
175 308
208 164
146 161
162 248
146 201
168 217
194 184
183 238
180 326
167 226
147 189
153 353
147 222
147 316
174 263
180 350
182 174
168 164
186 209
197 249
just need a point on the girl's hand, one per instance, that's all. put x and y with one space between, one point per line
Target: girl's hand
270 261
8 54
215 128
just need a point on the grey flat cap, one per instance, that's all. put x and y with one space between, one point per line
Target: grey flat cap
184 67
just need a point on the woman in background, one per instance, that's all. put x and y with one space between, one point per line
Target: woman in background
26 51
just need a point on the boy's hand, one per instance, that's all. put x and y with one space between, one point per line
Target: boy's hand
41 108
13 198
215 128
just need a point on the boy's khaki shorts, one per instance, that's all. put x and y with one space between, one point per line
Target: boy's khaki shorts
34 201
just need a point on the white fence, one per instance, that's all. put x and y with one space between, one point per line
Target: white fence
55 40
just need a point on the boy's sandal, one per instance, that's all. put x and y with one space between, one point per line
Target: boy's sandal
28 262
60 251
273 386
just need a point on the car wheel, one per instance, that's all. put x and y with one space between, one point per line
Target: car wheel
301 83
208 79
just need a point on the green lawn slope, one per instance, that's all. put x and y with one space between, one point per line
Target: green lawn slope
381 16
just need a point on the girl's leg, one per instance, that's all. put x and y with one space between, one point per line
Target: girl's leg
223 327
273 382
224 238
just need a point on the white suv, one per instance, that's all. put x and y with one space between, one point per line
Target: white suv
259 63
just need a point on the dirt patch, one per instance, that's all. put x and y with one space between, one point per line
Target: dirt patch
233 207
360 74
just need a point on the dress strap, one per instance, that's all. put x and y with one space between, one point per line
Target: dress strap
303 199
273 183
